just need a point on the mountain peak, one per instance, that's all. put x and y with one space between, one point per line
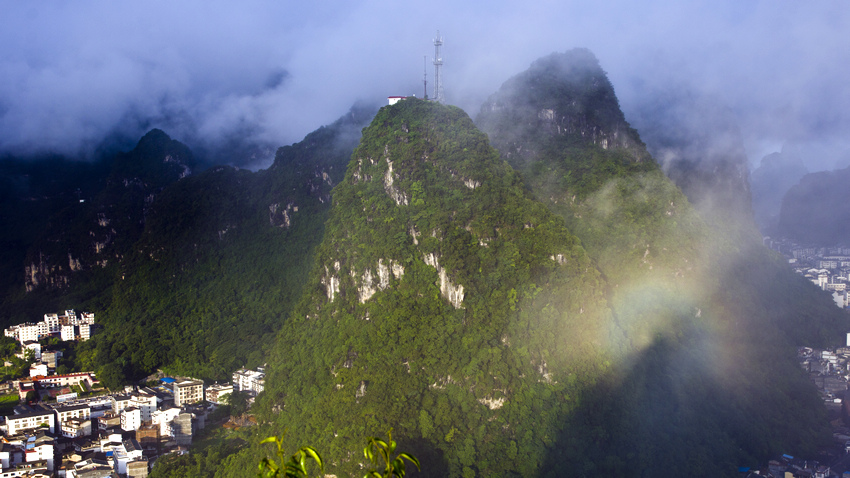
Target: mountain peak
562 95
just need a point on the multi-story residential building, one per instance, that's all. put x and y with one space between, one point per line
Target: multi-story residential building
131 418
217 391
120 402
51 358
68 412
64 325
68 332
35 347
163 419
38 370
148 435
67 380
51 323
30 418
182 428
85 331
75 428
42 448
128 451
27 332
251 381
145 402
138 468
187 391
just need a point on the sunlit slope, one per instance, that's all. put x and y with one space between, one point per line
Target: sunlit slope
709 323
444 302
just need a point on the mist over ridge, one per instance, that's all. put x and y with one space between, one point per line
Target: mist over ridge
78 78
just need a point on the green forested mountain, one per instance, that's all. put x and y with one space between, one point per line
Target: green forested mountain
33 192
444 302
192 273
600 329
542 302
710 317
220 263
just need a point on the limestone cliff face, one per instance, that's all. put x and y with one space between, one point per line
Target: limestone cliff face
99 232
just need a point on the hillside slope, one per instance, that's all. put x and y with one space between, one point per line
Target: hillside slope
220 263
444 302
688 298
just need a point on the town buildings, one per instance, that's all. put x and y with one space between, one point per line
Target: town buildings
107 433
69 326
251 381
188 391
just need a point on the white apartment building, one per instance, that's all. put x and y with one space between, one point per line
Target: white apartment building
188 391
163 419
75 428
131 419
16 424
216 392
85 332
51 323
145 402
67 333
120 402
65 325
39 370
123 454
251 381
65 413
36 349
23 333
41 449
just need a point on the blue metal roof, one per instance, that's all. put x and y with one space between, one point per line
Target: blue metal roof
167 380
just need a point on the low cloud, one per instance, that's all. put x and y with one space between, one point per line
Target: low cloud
74 75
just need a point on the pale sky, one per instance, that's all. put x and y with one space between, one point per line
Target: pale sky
75 73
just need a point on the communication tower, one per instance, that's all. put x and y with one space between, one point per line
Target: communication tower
438 64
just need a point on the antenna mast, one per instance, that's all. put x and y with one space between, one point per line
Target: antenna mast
438 64
425 74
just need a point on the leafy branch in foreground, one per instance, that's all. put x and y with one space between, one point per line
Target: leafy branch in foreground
393 467
295 467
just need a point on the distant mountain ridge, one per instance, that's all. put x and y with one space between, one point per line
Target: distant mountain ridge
814 211
777 173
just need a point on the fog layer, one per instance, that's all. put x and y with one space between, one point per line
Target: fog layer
75 76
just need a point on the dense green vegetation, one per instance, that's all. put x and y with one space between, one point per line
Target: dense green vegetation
481 383
638 341
690 299
553 308
193 275
220 263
